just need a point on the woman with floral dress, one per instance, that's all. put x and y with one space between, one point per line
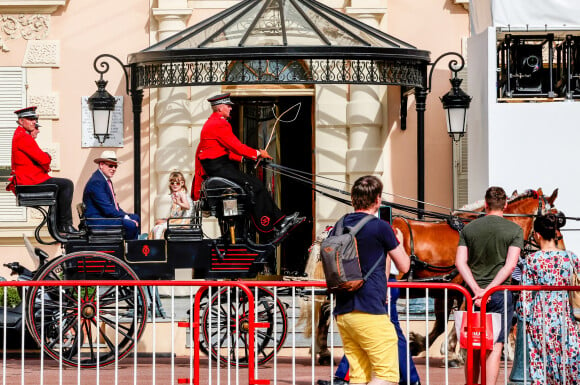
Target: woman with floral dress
553 336
181 205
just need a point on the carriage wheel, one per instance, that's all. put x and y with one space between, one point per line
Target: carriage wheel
225 326
100 338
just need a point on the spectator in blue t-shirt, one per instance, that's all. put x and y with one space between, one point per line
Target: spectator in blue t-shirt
368 336
341 376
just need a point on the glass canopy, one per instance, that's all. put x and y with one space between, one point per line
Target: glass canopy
249 42
258 23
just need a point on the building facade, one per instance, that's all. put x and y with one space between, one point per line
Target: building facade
48 48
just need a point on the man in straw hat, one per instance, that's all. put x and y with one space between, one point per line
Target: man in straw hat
31 165
100 199
218 154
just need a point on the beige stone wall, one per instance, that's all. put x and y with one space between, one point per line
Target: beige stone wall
58 55
436 26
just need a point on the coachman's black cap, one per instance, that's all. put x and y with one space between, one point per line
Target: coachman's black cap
220 99
27 113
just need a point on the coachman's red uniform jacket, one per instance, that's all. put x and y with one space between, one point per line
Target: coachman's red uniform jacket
30 165
216 140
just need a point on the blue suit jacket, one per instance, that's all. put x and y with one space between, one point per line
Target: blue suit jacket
98 199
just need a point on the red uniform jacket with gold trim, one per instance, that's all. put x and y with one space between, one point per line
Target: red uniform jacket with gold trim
30 165
216 140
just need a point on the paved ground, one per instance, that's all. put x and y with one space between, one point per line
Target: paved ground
145 372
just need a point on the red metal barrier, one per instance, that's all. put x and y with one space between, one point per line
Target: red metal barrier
509 288
252 380
246 288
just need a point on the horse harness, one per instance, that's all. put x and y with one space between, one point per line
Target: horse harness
418 265
530 245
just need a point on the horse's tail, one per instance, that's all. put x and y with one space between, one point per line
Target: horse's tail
314 272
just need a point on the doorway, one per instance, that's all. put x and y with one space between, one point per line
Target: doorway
290 144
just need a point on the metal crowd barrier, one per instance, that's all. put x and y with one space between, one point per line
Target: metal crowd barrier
508 290
209 330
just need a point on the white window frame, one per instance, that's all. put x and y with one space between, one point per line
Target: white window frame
12 97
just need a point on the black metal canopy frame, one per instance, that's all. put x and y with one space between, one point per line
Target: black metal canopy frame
279 42
272 42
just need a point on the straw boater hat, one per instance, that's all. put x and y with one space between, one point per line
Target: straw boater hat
107 156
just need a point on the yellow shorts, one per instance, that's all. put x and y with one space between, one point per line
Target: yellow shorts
370 344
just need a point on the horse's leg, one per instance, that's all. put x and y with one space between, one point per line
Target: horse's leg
439 326
324 354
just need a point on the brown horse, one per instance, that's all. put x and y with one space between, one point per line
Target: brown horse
432 247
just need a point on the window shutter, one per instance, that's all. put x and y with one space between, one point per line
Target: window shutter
12 97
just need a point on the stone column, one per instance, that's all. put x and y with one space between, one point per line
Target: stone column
364 111
172 117
331 145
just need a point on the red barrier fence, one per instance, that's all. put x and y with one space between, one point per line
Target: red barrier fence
241 344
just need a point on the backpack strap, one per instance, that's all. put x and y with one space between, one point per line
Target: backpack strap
355 229
339 226
368 274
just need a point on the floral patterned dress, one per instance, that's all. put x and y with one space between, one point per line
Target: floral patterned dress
553 336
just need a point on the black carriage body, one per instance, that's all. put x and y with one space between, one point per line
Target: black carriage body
233 255
158 259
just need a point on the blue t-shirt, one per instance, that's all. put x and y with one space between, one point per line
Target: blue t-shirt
374 241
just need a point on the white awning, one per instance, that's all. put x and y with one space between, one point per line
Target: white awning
524 15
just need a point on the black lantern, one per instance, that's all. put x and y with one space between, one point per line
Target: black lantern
102 105
456 102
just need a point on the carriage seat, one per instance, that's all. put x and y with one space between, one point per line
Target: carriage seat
184 233
177 231
113 232
216 191
36 195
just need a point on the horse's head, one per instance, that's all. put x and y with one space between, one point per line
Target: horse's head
523 209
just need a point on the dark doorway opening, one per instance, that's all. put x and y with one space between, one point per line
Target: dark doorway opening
253 119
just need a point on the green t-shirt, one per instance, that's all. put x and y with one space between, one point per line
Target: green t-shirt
487 240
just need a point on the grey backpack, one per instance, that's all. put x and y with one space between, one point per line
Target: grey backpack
339 256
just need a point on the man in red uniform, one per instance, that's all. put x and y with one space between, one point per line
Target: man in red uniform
31 165
219 153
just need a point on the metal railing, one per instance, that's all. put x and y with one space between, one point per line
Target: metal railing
248 330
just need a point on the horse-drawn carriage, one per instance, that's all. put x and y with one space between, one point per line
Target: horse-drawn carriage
93 326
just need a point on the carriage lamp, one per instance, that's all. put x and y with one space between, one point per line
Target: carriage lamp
101 104
230 204
456 102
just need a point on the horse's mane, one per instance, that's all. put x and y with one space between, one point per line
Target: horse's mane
480 204
526 194
474 206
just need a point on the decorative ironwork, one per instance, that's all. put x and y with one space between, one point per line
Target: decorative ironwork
279 71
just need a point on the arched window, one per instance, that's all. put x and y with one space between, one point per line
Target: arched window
268 71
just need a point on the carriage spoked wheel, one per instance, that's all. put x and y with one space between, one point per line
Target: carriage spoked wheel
225 326
80 324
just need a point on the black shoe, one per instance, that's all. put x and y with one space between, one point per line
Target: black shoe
68 229
337 381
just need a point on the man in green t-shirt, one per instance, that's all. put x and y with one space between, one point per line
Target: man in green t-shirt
488 251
